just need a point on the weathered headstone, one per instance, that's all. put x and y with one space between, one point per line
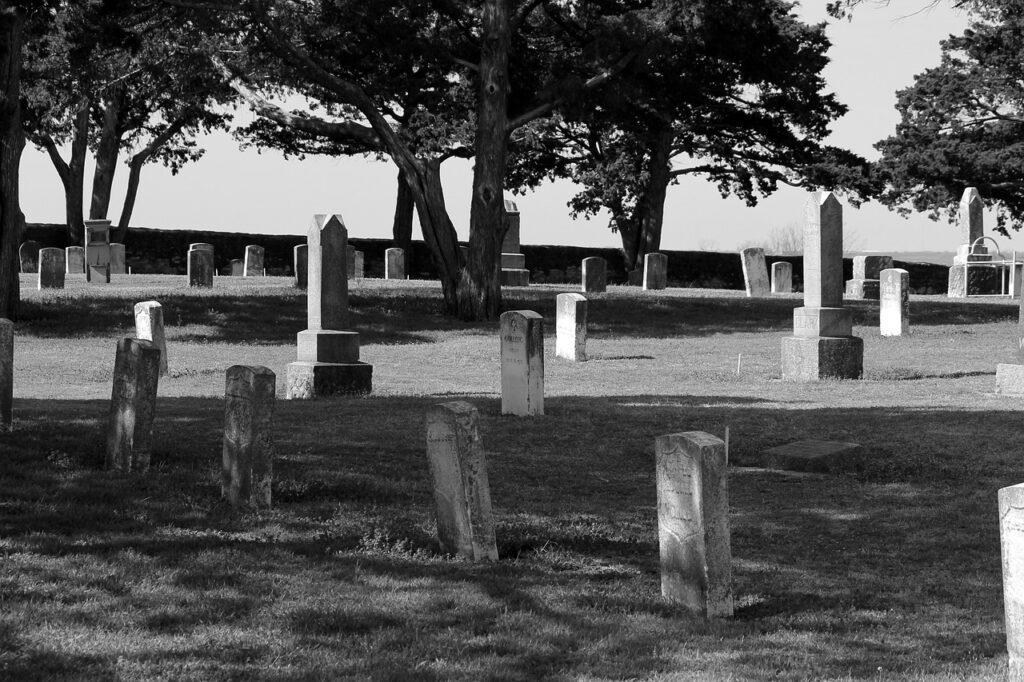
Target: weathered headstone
28 256
1011 542
51 269
894 302
693 523
1010 376
132 405
74 259
301 257
522 363
253 261
782 277
655 271
595 274
6 374
865 284
117 259
328 351
149 325
237 267
513 271
822 345
350 262
394 264
248 452
571 327
97 251
755 273
360 261
462 494
200 268
963 278
510 243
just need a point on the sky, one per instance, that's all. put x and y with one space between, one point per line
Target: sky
872 56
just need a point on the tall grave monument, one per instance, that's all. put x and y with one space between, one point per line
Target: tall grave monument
962 278
328 350
823 345
513 262
97 251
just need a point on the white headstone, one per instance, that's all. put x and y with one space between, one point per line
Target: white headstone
522 363
394 264
755 272
149 325
782 277
571 327
894 302
655 271
1011 541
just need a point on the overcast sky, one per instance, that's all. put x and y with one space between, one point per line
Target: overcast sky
875 54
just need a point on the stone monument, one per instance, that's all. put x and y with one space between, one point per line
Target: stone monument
571 327
782 277
595 275
1011 543
253 261
894 303
200 267
97 251
74 258
513 262
149 325
28 256
118 266
394 263
964 279
132 405
655 271
522 363
865 282
755 273
248 452
51 269
301 259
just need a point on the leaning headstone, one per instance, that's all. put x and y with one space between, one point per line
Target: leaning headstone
328 350
74 259
301 257
28 256
822 345
237 268
200 268
655 271
595 274
522 363
1011 542
571 327
97 251
6 374
894 302
51 269
462 494
117 259
253 261
248 452
693 523
394 264
149 325
782 277
132 405
755 272
360 262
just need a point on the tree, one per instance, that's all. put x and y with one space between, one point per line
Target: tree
12 21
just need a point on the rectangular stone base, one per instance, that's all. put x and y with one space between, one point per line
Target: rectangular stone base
515 277
326 345
513 261
820 357
308 380
1010 379
862 289
815 322
973 280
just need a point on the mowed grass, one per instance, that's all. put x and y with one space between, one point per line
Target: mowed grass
888 570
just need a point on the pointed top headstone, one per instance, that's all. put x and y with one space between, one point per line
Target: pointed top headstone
327 293
970 219
823 251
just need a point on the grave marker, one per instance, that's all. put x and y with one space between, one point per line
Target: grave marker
51 269
97 251
149 325
360 261
782 277
818 456
253 261
394 264
74 258
755 272
1011 543
522 363
595 274
894 303
28 256
200 268
6 374
117 259
237 268
571 327
513 271
655 271
301 257
132 405
248 452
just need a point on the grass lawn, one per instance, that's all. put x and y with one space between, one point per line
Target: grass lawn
889 570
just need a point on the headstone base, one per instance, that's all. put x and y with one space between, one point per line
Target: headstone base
862 289
309 380
1010 379
330 346
513 261
816 322
515 277
974 280
818 456
98 274
822 357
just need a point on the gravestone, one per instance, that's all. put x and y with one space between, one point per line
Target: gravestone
513 271
201 246
693 523
894 302
1011 543
97 251
74 259
816 456
394 264
522 363
655 271
595 274
360 261
51 269
755 273
117 259
865 284
200 268
350 262
149 325
301 257
132 405
248 452
782 277
28 256
328 351
635 278
462 494
253 261
964 279
6 374
571 327
822 345
237 268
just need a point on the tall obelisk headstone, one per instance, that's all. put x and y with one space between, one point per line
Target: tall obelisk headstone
823 345
970 223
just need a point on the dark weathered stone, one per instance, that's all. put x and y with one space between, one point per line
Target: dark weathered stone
308 380
51 269
28 256
253 261
595 274
821 357
248 452
132 405
655 271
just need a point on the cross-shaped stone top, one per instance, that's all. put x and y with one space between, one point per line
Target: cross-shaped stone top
823 251
327 293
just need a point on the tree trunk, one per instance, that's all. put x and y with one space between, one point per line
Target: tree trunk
438 231
401 227
12 141
74 180
134 175
641 232
479 287
107 150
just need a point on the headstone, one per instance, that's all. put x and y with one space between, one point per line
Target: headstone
782 277
513 271
595 274
117 259
328 351
74 258
755 273
28 255
350 262
301 257
1011 542
132 405
149 325
201 246
200 268
51 268
515 277
360 261
97 251
522 363
817 456
635 278
963 279
1010 377
655 271
865 284
253 261
822 345
513 261
237 268
461 492
571 327
894 302
693 523
6 374
248 452
510 243
394 264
